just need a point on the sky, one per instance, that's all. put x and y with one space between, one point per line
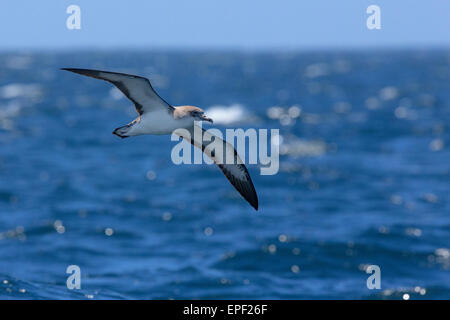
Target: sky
220 24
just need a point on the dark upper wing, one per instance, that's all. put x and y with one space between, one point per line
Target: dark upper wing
137 89
236 172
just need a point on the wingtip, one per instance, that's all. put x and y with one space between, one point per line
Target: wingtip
253 201
66 69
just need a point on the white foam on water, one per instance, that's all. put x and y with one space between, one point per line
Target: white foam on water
19 62
226 114
18 90
302 148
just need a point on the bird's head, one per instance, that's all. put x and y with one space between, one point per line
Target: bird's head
199 115
190 113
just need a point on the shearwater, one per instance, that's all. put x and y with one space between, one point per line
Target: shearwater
156 116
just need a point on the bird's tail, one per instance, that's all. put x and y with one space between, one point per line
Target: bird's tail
122 131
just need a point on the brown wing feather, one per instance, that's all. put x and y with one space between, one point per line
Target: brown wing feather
236 172
137 89
244 187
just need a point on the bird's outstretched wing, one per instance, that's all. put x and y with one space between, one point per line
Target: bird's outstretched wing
137 89
236 172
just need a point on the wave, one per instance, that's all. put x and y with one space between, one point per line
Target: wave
226 114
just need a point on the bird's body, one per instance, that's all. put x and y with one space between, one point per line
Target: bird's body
157 117
158 122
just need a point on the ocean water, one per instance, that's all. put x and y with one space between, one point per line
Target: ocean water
363 179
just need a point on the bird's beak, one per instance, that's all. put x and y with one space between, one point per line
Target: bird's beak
205 118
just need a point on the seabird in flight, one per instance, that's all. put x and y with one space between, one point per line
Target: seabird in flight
158 117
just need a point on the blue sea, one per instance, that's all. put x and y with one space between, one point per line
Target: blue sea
363 180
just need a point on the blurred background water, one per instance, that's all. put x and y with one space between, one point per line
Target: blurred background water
364 178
